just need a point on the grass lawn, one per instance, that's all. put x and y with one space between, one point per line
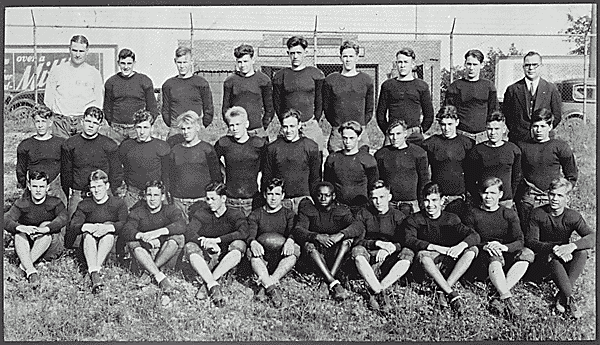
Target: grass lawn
64 309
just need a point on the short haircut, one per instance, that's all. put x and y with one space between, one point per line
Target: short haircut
291 113
349 44
37 175
353 125
189 116
141 116
296 41
94 112
155 183
321 184
431 188
125 53
235 112
80 39
406 52
42 111
532 53
244 49
181 51
476 53
378 185
447 112
559 183
98 175
495 116
396 123
491 182
217 187
274 183
542 114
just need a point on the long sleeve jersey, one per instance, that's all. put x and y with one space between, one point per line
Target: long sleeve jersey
546 231
71 90
405 170
406 100
140 219
123 96
113 211
145 161
348 98
381 227
351 175
243 162
300 90
447 160
254 94
183 94
298 163
230 226
542 162
501 225
474 101
312 221
81 156
260 221
191 169
25 212
446 230
41 155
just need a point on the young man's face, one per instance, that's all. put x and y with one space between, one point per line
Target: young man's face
495 131
381 198
238 126
559 198
78 52
531 66
325 196
143 130
433 205
154 198
540 131
349 139
126 66
91 125
215 201
448 127
274 197
472 67
491 197
245 64
99 189
189 131
184 65
349 59
42 125
290 128
296 54
38 189
398 136
405 65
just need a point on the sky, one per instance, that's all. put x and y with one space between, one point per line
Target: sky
155 47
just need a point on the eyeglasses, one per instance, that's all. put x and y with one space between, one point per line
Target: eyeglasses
531 65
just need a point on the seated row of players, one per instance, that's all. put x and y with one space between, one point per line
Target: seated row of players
380 238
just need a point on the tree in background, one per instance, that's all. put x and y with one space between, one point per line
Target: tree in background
576 31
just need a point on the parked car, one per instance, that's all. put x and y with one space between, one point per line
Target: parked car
573 92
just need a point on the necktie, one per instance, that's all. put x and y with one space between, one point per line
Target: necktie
531 90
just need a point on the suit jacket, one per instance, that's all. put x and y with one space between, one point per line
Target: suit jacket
516 107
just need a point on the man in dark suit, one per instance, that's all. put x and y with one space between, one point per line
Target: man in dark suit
527 95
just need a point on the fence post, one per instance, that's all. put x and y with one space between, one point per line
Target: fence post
192 40
315 43
35 64
451 50
585 53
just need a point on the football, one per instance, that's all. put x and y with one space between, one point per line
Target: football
271 241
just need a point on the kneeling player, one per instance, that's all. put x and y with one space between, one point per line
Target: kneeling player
154 233
36 220
215 240
439 238
327 230
549 233
271 241
99 219
501 241
380 250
